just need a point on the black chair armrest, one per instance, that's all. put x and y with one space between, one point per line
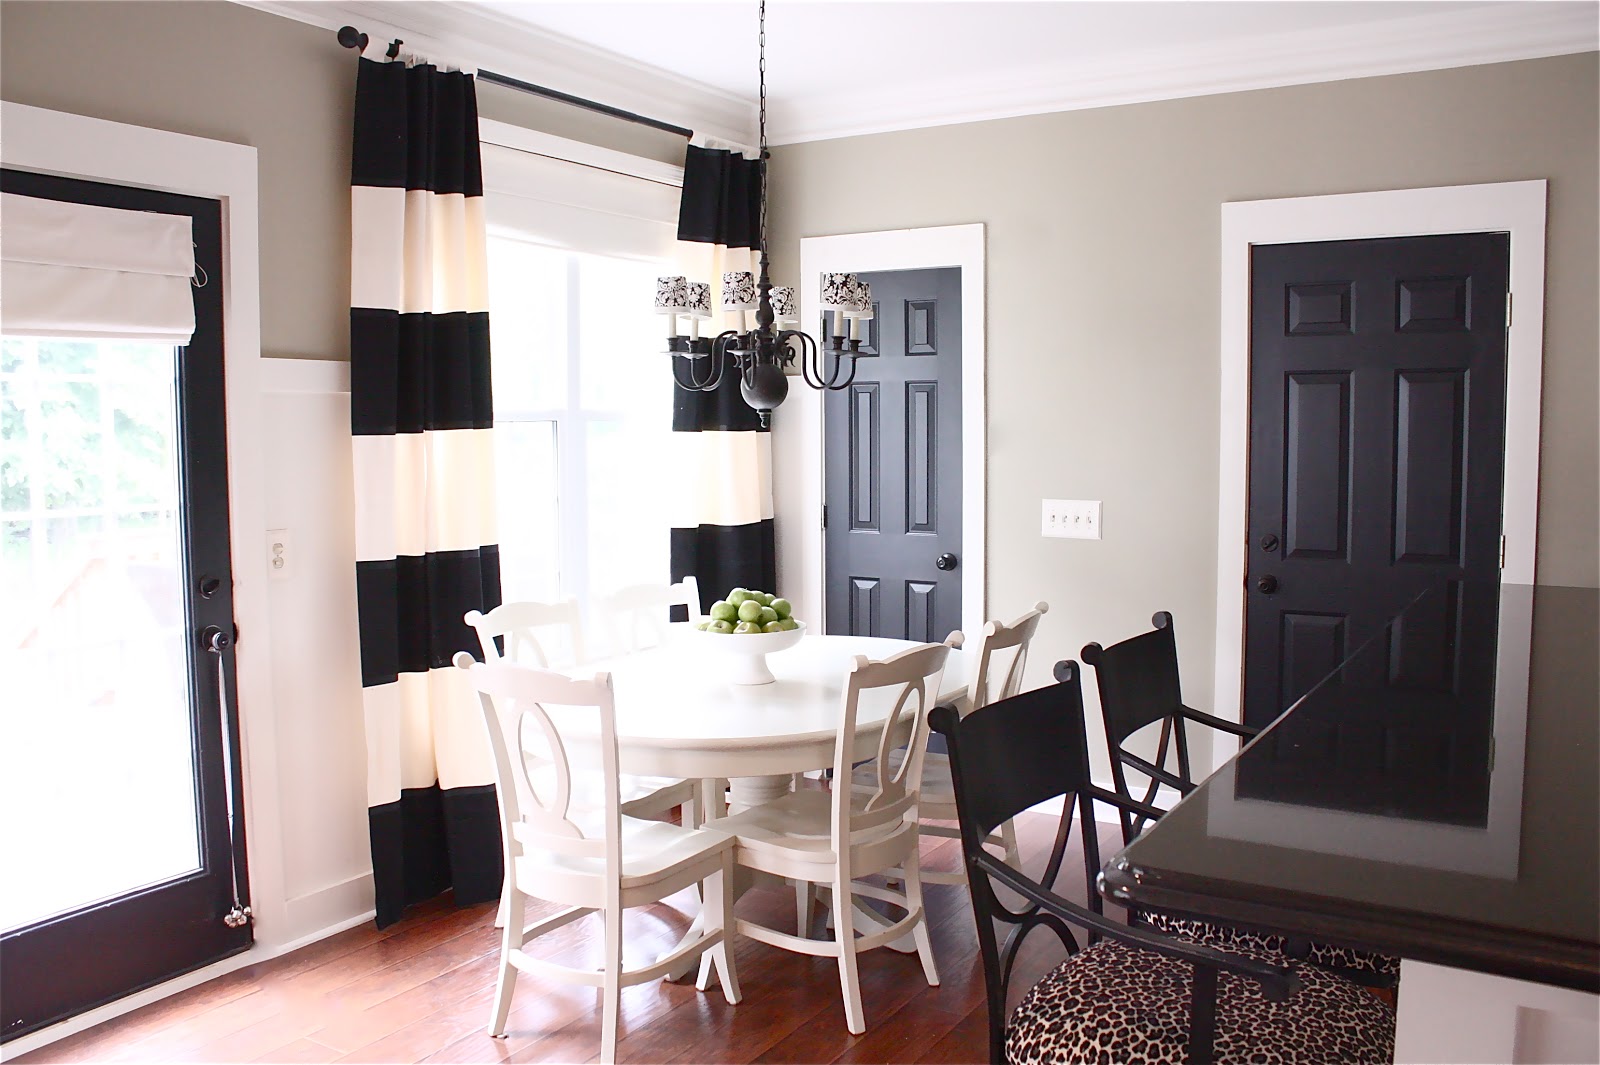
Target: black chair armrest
1202 718
1154 772
1277 983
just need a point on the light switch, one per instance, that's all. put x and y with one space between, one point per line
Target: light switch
1073 519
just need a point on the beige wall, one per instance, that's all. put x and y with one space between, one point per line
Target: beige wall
1103 289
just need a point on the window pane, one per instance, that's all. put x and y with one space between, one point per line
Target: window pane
527 326
530 512
621 338
95 723
628 537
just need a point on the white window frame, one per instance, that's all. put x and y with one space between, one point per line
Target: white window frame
572 420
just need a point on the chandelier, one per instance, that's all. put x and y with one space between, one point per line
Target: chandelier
761 351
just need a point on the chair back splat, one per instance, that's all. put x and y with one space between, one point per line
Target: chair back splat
531 633
636 617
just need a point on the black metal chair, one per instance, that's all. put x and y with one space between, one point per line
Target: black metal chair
1126 993
1138 681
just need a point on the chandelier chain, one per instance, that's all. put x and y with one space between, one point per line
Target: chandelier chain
762 70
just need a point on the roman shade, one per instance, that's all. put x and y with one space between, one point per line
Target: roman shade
73 270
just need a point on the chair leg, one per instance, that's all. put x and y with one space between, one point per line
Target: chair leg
611 992
802 908
844 934
718 911
511 910
1008 837
919 931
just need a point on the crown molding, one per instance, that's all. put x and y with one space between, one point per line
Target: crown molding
1502 33
466 36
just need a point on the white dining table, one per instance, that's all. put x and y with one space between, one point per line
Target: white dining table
678 717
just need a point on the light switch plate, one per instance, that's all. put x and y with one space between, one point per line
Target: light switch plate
1073 519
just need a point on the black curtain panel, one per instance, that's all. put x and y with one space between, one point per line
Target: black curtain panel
422 417
722 531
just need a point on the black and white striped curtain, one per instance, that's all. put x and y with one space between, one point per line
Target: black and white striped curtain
722 532
422 419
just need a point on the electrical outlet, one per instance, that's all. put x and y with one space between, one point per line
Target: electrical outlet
1074 519
278 554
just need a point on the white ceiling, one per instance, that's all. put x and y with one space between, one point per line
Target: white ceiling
839 67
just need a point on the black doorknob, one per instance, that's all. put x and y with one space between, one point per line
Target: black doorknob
1267 585
946 561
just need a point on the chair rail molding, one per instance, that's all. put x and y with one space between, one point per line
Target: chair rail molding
1514 207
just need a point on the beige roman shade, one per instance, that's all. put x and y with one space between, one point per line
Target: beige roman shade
72 270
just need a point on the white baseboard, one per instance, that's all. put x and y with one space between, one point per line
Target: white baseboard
331 906
260 952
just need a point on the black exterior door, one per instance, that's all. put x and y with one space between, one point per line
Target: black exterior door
893 458
123 491
1376 463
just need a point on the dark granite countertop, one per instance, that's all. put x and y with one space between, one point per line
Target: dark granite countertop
1449 814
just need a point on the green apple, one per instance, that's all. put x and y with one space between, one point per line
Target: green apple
789 624
720 626
772 626
768 615
747 627
782 606
702 626
750 610
738 595
724 611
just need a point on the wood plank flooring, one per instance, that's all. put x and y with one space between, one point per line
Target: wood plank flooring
420 991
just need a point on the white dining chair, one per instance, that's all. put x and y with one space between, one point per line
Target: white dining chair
1002 657
636 616
566 840
519 626
529 630
831 839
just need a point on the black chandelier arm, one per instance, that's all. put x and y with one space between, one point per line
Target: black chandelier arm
700 350
849 379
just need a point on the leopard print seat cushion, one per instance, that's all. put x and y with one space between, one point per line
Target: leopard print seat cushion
1115 1003
1225 937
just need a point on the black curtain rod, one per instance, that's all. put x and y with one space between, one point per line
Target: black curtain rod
350 37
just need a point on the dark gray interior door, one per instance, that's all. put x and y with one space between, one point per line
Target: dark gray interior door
893 459
1377 424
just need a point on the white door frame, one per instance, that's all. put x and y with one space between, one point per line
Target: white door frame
77 146
798 441
1514 207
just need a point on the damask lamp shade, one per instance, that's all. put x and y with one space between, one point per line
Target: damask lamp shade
739 291
783 304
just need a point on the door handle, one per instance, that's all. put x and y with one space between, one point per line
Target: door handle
946 561
217 641
1267 585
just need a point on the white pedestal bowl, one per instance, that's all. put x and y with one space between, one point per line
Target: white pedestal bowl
741 658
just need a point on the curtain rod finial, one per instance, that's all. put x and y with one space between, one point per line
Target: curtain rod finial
351 37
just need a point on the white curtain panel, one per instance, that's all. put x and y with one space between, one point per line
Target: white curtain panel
74 270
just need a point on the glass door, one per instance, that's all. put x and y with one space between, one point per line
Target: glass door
118 743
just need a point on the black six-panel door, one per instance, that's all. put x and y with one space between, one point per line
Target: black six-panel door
1376 464
893 457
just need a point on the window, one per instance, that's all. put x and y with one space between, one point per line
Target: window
582 394
581 408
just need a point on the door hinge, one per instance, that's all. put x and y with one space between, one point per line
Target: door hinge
1502 551
1508 308
824 515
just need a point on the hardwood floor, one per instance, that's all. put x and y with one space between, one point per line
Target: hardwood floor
420 990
